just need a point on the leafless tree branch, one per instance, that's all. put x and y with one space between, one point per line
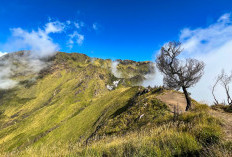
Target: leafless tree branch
179 74
225 80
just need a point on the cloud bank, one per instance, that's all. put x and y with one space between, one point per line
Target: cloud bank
213 45
5 74
2 53
41 45
153 79
114 69
38 41
20 64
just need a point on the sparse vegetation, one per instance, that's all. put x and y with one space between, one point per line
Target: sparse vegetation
196 133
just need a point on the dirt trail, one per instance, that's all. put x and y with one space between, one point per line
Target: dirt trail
227 122
173 98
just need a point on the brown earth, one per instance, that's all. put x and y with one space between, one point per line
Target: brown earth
226 120
173 99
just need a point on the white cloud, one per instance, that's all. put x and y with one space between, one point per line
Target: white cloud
95 26
80 39
54 27
40 44
225 18
213 45
18 64
2 53
75 37
5 82
153 79
68 22
114 69
78 25
38 41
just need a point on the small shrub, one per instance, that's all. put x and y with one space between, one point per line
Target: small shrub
188 117
228 108
164 119
179 144
201 108
221 149
208 135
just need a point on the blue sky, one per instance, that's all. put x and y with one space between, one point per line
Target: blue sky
124 29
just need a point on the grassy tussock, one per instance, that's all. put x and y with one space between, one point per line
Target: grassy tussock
195 133
226 108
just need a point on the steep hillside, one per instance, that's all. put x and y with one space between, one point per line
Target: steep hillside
74 105
65 101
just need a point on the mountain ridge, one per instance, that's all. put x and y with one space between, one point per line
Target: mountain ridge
70 79
75 102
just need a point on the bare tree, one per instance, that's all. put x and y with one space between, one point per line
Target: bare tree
225 80
179 74
213 89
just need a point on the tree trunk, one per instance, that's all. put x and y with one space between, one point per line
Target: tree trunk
188 99
215 99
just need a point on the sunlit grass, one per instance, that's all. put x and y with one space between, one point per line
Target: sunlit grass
58 113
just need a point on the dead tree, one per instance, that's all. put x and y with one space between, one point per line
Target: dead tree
225 80
213 89
177 73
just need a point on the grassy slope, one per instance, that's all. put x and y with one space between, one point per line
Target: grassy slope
66 104
69 104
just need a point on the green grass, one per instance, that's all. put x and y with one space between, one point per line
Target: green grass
68 111
226 108
67 101
194 133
